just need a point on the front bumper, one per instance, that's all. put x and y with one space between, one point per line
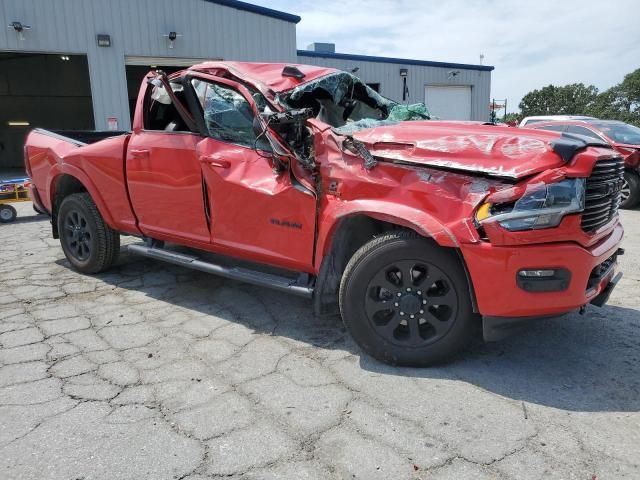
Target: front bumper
493 271
497 328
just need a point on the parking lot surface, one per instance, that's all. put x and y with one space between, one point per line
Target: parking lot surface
154 371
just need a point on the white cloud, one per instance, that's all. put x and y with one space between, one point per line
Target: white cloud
531 44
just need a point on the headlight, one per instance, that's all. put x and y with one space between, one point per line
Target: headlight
541 206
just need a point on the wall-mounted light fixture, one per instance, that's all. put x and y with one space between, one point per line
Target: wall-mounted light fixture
18 123
64 58
103 40
19 28
453 74
355 69
172 36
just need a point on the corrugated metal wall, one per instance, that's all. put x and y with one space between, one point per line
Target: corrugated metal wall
388 75
136 28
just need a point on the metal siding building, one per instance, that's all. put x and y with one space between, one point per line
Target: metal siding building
209 29
420 74
53 73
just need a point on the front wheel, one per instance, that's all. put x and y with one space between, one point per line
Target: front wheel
7 214
89 244
630 194
406 301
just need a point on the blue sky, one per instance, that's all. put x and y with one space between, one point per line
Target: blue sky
531 43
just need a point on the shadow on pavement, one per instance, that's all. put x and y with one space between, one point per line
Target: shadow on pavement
587 363
579 363
28 219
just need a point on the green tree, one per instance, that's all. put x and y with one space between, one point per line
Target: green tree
620 102
572 99
512 118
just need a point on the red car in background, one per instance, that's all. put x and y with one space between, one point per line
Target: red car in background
621 136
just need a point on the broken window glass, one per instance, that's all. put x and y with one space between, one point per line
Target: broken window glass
227 114
343 101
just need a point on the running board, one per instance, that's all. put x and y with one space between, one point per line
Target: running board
254 277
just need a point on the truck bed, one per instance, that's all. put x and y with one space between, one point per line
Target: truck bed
94 159
85 137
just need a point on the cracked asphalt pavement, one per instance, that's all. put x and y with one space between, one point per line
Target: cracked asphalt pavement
153 371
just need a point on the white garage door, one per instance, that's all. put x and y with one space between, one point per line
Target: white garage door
449 102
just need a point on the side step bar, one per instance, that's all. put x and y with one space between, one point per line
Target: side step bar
254 277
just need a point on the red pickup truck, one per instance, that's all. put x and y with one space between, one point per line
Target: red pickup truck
303 179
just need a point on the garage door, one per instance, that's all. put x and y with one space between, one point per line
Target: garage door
41 90
449 102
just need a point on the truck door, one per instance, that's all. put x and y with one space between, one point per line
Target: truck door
163 171
255 212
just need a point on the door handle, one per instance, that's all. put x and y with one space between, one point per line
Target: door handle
138 153
219 163
215 161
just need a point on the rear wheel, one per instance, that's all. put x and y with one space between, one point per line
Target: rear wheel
89 244
406 301
7 214
630 195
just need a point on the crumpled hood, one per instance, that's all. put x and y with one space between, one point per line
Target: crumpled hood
503 152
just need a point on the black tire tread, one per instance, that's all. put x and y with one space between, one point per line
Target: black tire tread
108 243
633 179
463 338
368 247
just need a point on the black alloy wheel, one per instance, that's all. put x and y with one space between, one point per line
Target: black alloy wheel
89 244
410 303
77 235
406 300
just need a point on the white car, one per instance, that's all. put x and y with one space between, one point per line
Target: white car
552 118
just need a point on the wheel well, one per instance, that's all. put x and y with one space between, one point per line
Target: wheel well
64 186
350 234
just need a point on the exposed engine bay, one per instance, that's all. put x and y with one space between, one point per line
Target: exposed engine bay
342 101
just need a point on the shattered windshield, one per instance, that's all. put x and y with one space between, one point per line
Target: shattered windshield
347 104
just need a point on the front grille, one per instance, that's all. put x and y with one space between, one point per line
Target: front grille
601 270
603 193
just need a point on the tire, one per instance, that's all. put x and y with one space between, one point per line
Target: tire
373 292
89 244
7 214
630 190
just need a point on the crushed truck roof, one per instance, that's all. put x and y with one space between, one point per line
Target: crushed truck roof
268 75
